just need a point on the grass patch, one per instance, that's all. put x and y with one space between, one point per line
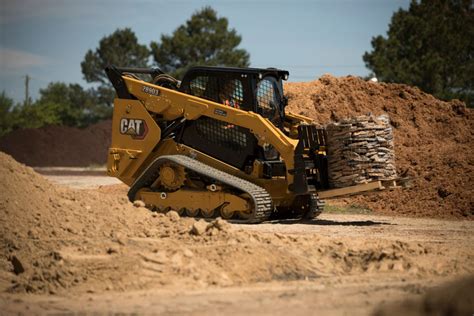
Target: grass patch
348 209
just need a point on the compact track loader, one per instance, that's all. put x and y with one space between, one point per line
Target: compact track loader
217 143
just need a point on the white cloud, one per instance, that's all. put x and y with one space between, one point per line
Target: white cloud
12 59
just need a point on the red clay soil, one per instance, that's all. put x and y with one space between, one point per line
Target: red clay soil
59 145
434 143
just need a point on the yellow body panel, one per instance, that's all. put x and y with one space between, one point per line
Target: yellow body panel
194 199
171 104
129 149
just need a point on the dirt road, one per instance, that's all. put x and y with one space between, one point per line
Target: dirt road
77 177
338 296
450 255
338 264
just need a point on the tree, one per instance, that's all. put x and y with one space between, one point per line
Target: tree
430 45
203 40
26 115
71 105
59 104
6 106
35 115
120 48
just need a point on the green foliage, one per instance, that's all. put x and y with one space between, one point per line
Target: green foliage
6 106
59 104
71 105
346 209
430 45
28 115
120 48
203 40
35 115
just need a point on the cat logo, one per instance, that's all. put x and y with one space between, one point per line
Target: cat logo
137 129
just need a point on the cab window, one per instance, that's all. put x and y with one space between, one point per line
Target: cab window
232 93
267 98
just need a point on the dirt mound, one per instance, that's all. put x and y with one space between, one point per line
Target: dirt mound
454 298
433 141
59 145
57 240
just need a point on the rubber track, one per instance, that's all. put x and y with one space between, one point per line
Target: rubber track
261 198
316 205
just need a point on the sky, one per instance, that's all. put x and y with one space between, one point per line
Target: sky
47 39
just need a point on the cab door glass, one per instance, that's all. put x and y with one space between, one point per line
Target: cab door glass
198 86
267 99
268 105
231 93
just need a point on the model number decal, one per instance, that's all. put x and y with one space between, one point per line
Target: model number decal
136 128
220 112
151 90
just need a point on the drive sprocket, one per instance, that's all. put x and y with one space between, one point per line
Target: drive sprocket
172 176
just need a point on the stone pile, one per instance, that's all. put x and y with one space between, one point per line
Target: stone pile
360 150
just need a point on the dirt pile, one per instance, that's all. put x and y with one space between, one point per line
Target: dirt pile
454 298
57 240
433 141
43 225
59 145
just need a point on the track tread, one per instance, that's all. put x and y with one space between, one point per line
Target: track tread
316 206
261 198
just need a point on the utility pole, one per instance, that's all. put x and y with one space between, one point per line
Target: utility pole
27 94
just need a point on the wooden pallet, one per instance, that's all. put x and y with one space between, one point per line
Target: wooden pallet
364 188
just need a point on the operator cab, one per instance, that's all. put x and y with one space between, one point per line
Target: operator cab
249 89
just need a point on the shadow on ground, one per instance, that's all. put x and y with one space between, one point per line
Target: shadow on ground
326 222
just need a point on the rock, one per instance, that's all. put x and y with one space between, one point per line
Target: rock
443 192
221 224
280 236
177 260
199 227
221 279
111 250
120 239
56 255
139 203
18 267
188 253
173 216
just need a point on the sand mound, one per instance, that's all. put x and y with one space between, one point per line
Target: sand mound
39 220
59 145
454 298
57 240
433 141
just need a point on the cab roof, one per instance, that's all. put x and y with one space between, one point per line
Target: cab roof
260 72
